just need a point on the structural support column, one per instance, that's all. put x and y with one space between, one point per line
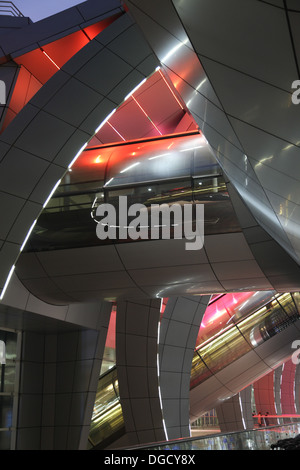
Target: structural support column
178 334
235 414
136 359
58 382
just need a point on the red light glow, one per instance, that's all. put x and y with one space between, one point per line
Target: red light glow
98 161
51 60
164 79
39 65
219 313
142 109
116 130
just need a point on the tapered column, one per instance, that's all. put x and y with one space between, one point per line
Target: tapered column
178 334
136 359
59 373
235 414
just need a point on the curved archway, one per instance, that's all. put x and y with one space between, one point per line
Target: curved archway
54 127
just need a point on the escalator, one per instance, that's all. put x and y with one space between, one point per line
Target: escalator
245 331
107 423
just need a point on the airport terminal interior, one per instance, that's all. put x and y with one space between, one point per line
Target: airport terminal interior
143 338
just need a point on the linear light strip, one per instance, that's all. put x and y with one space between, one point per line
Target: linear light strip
51 60
116 130
159 389
28 235
72 162
105 120
242 410
164 79
135 89
142 109
32 226
130 95
7 281
51 194
77 155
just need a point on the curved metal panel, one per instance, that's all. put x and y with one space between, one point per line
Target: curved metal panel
50 158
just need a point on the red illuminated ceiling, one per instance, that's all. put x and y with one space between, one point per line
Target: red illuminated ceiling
39 65
153 110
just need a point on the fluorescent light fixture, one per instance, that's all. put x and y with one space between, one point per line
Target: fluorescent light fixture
105 120
51 194
135 89
77 155
129 167
7 282
28 235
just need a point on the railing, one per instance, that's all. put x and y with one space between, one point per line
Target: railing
253 439
10 9
108 419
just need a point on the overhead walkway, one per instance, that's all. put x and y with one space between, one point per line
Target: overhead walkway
160 176
273 314
141 252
